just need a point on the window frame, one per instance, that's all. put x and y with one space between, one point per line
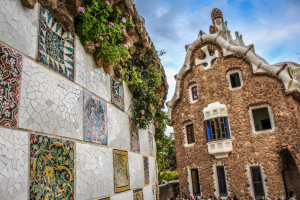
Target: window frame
229 79
252 122
197 182
217 180
261 182
223 135
191 99
186 144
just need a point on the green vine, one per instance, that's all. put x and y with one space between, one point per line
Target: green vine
144 78
105 26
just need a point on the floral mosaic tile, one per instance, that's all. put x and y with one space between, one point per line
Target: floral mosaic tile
10 80
95 120
151 147
121 172
146 170
117 93
55 45
51 168
134 136
138 194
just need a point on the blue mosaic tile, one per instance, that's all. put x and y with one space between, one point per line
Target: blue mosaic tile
117 93
55 45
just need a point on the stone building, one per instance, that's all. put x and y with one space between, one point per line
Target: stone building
236 119
65 125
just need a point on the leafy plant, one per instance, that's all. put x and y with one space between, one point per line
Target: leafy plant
106 27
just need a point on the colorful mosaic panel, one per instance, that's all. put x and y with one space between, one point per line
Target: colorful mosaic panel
121 173
151 147
117 93
55 46
146 170
51 168
138 194
95 127
10 80
134 137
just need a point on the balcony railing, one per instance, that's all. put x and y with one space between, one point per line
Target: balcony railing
220 148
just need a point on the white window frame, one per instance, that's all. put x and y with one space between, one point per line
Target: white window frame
185 134
190 182
263 176
229 81
217 192
270 116
191 93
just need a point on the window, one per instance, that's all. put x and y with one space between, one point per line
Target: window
195 181
257 182
234 78
217 129
190 133
261 118
221 181
194 93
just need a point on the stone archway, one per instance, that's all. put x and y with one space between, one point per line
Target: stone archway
290 173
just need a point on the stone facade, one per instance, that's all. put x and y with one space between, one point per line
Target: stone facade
59 125
249 148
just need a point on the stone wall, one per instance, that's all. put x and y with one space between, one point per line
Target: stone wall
59 130
169 190
248 148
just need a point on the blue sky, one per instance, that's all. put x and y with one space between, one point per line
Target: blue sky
273 26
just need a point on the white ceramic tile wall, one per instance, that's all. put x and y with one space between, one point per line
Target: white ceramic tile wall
123 196
50 103
13 164
136 170
18 26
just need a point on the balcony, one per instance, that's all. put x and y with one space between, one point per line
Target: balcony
220 148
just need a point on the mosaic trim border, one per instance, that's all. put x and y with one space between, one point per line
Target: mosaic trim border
117 93
11 65
123 155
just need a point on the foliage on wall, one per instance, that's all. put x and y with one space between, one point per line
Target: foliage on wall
104 27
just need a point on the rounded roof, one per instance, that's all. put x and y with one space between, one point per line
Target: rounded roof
216 13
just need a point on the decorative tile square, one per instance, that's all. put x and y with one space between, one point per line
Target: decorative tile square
138 194
117 93
146 170
11 65
95 120
55 45
106 198
121 172
134 137
151 147
51 168
154 192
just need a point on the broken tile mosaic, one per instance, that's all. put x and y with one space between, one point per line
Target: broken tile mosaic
10 80
146 169
95 120
55 45
138 194
121 172
51 168
134 136
151 147
117 93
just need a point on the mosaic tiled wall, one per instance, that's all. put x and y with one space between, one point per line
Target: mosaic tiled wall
51 168
136 170
134 137
95 120
49 102
121 172
10 80
117 93
138 194
151 143
146 170
13 164
55 45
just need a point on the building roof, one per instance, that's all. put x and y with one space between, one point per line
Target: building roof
287 72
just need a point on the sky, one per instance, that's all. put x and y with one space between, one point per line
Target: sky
273 26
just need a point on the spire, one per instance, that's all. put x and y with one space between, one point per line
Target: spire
216 13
